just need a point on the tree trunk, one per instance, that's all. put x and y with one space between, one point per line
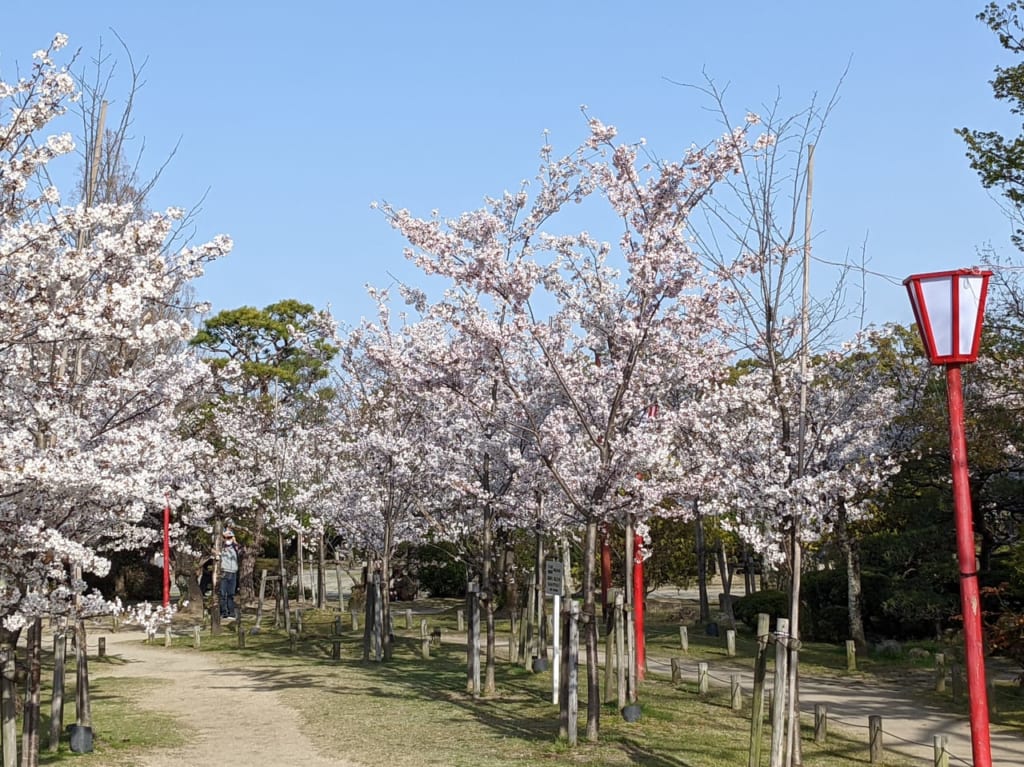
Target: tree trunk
59 676
33 682
702 566
487 595
8 693
247 565
726 573
321 573
590 626
851 553
83 705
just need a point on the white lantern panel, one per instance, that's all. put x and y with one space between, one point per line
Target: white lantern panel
938 301
970 286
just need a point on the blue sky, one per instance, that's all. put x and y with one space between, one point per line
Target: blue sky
294 117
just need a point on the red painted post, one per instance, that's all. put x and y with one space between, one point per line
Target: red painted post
638 605
606 568
167 553
977 692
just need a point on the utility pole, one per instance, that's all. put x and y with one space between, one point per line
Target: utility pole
793 751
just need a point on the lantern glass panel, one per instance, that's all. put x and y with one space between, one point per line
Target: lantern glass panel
938 303
970 286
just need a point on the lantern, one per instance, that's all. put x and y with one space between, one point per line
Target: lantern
948 307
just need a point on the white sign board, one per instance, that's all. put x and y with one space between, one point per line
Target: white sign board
552 578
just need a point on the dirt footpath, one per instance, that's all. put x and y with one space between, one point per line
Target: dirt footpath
233 719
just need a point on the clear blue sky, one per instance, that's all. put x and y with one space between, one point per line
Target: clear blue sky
295 116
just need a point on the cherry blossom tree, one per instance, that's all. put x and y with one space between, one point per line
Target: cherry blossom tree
89 385
586 334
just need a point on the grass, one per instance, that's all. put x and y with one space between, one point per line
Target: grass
123 727
412 711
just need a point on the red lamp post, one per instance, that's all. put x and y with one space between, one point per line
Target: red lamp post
949 307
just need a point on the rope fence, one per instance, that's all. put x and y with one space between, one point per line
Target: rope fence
877 734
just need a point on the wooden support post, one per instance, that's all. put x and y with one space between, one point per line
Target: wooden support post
757 695
196 634
736 696
102 651
851 655
460 616
730 643
941 754
263 593
875 739
408 618
684 639
620 650
239 627
293 640
167 637
702 678
355 621
820 722
609 665
940 672
957 678
424 639
779 689
336 649
337 626
573 675
57 699
677 670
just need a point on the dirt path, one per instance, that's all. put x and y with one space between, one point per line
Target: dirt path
233 719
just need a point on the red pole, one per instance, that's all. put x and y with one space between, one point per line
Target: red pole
167 552
638 606
606 568
970 603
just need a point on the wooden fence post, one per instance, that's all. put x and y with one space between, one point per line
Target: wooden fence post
336 649
196 634
461 616
875 739
851 655
737 694
956 677
677 670
684 639
702 678
940 672
408 618
424 639
820 722
102 651
941 754
730 643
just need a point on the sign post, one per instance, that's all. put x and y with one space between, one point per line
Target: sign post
553 588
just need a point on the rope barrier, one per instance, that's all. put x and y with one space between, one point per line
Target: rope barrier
690 668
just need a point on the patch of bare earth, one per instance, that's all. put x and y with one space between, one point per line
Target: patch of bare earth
234 717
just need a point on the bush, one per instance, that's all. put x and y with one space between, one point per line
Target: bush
775 603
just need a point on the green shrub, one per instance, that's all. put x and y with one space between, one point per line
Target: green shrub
775 603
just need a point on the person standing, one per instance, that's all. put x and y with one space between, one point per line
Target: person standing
228 574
